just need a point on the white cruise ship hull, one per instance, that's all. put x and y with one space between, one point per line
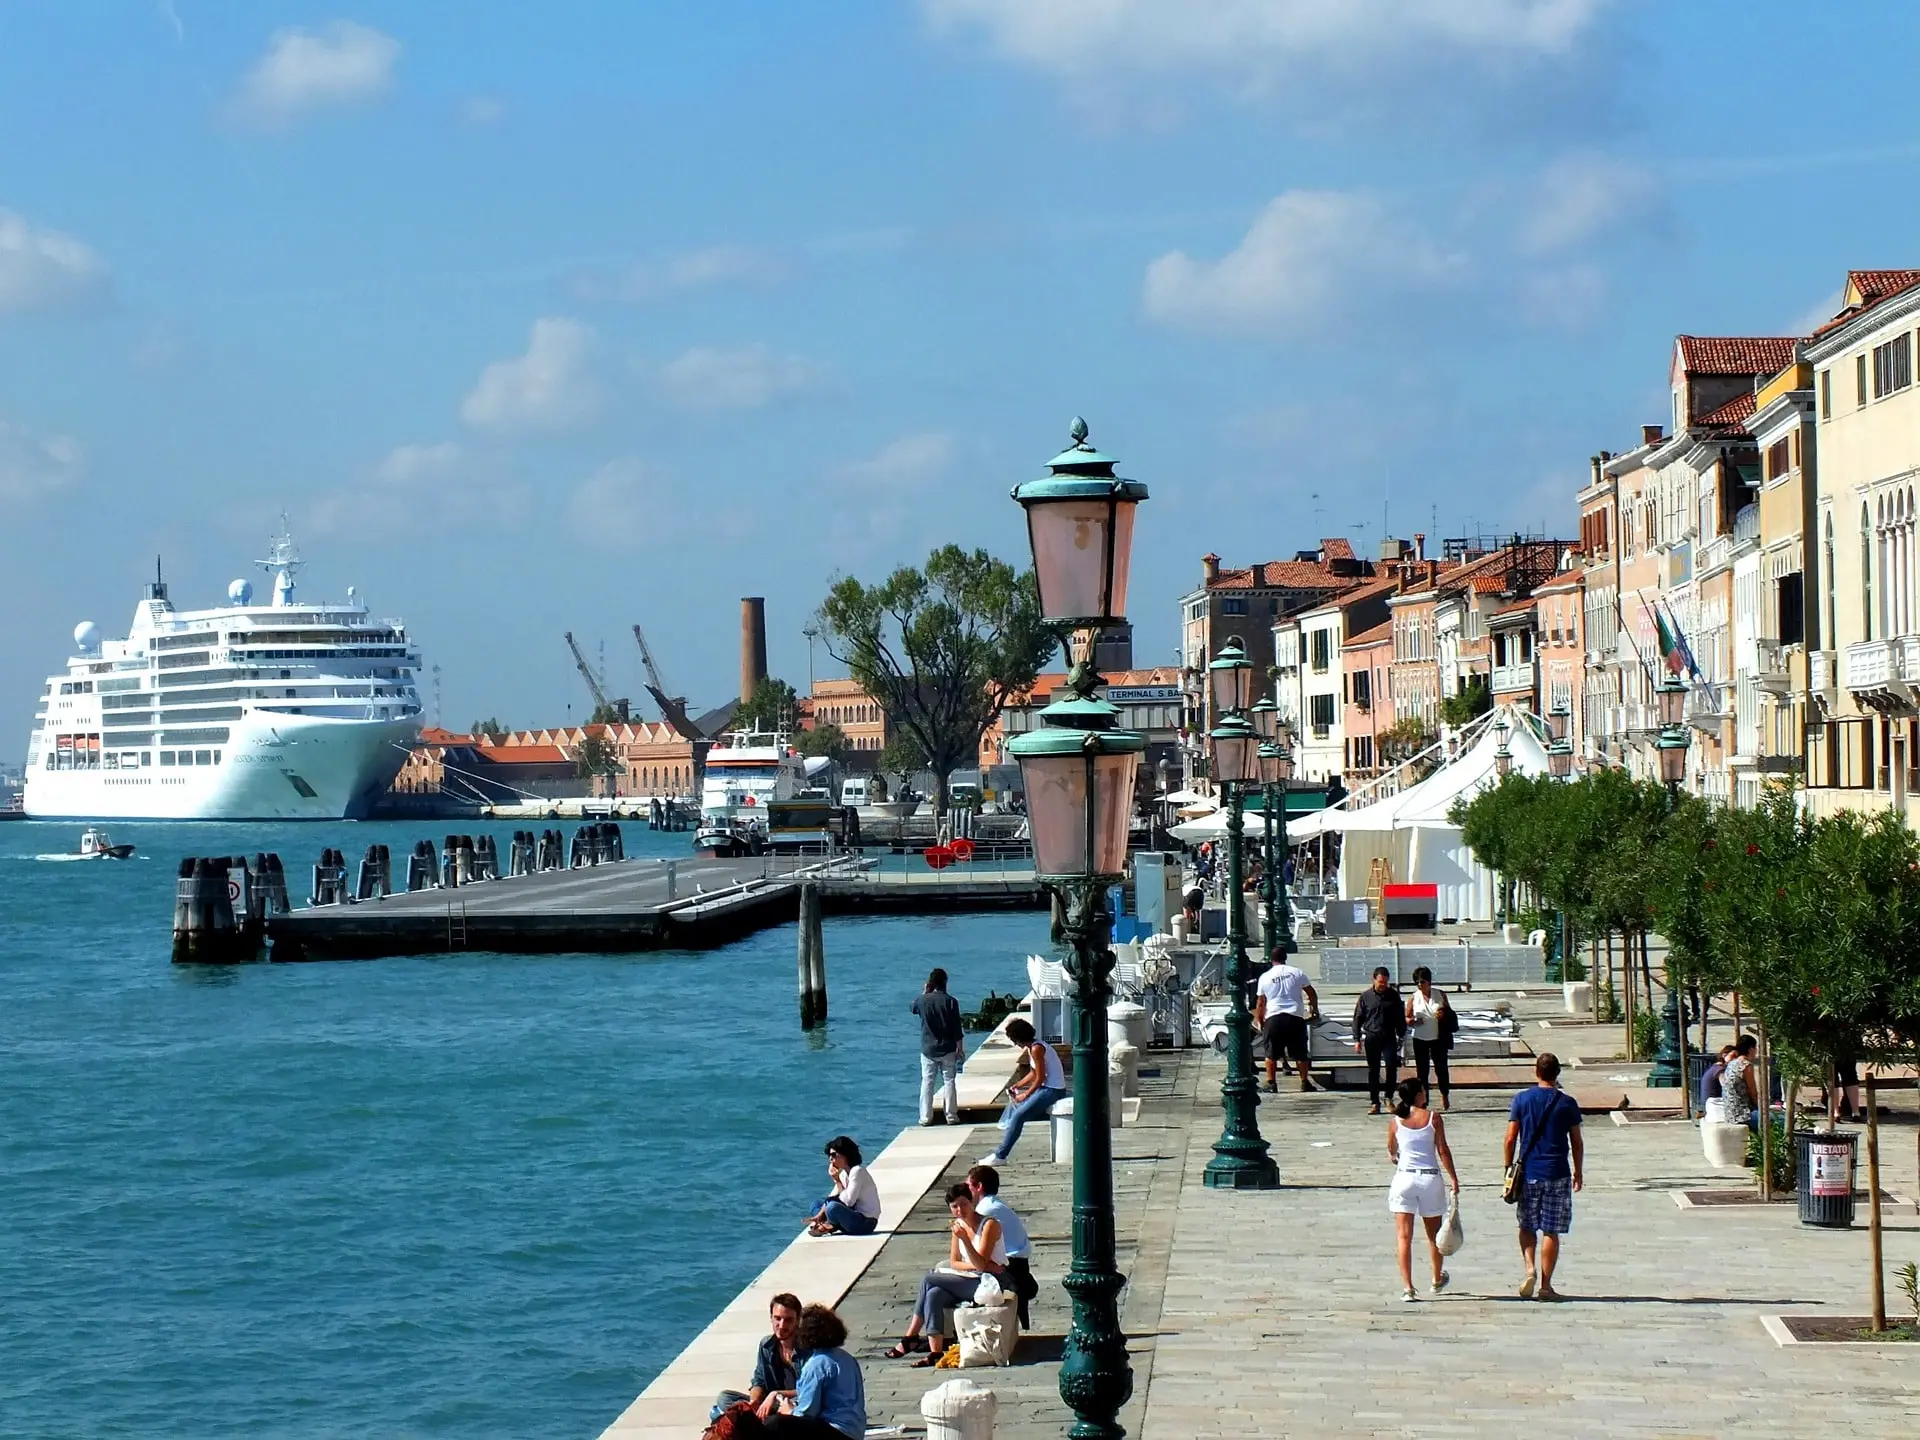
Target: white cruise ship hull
274 767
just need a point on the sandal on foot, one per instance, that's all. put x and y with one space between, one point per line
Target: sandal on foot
901 1350
928 1360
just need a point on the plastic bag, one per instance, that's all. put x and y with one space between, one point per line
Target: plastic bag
1452 1234
988 1333
988 1291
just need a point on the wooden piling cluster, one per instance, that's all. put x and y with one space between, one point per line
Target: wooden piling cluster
221 907
812 972
597 844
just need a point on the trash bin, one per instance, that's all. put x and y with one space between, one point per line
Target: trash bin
1823 1173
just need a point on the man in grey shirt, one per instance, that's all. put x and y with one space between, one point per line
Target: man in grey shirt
942 1047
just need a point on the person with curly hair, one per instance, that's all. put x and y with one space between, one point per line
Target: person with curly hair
830 1400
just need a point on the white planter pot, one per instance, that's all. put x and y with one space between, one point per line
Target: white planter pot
1579 995
1725 1145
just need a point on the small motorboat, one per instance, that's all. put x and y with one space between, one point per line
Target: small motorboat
98 845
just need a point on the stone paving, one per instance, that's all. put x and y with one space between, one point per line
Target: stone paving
1279 1313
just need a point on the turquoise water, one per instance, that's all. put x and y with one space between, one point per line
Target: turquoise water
473 1195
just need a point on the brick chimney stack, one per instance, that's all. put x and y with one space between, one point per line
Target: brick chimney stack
753 644
1209 569
1419 545
1651 434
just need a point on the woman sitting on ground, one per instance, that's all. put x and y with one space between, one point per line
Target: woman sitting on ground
1032 1095
1417 1142
853 1206
829 1401
975 1249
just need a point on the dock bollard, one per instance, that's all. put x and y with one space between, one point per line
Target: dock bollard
616 842
277 899
183 907
368 880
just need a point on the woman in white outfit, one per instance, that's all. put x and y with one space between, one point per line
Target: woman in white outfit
1417 1141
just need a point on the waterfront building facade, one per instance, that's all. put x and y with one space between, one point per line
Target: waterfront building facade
847 704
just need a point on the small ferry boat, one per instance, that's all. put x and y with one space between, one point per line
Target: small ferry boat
756 799
98 845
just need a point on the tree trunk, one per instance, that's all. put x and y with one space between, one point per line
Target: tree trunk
940 788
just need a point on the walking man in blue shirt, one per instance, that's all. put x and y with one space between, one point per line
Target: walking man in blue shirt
1544 1125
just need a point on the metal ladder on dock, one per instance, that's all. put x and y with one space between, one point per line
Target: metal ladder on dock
456 926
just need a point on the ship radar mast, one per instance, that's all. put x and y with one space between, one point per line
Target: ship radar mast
282 562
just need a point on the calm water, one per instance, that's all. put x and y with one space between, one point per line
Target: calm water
475 1195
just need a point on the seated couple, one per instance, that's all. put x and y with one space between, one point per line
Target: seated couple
987 1239
852 1207
805 1384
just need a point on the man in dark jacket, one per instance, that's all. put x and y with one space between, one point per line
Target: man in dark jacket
1379 1023
942 1047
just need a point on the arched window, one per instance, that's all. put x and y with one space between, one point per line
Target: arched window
1866 573
1826 578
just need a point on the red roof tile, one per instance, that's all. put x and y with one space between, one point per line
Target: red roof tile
1867 288
1280 575
1382 631
1735 355
1732 415
526 755
1336 549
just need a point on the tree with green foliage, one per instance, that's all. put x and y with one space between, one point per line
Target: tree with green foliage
825 738
774 706
489 727
611 713
596 756
902 756
941 649
1471 703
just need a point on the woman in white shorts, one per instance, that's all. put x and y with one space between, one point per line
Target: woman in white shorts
1417 1141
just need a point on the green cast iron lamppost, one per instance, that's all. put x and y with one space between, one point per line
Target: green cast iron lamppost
1669 1066
1078 772
1276 768
1240 1159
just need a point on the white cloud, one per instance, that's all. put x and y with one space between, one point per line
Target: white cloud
418 464
32 465
1580 198
479 110
1266 45
739 377
1566 297
1814 316
624 503
1309 256
911 462
305 70
45 270
551 387
706 268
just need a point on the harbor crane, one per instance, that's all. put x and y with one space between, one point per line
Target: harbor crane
602 705
673 708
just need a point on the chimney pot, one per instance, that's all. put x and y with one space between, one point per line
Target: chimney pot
1209 568
1419 545
1651 434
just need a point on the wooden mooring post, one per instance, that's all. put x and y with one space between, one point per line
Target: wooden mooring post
812 960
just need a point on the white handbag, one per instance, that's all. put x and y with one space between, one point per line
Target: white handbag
988 1333
1452 1234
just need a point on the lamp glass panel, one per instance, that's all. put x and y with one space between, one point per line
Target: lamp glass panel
1673 763
1283 767
1265 716
1236 758
1056 787
1269 767
1070 557
1229 684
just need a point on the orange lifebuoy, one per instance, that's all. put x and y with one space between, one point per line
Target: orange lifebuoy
962 850
750 801
939 857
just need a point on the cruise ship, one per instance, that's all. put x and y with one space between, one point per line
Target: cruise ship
282 710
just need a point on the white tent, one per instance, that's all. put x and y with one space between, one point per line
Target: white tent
1412 833
1214 827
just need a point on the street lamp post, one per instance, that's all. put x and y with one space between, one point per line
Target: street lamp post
1078 770
1240 1159
1273 887
1502 756
1669 1061
1560 746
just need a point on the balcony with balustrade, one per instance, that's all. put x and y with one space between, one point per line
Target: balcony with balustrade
1516 681
1882 674
1821 672
1772 671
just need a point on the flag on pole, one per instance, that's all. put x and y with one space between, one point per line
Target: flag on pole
1673 649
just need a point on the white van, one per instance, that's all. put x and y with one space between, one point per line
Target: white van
857 792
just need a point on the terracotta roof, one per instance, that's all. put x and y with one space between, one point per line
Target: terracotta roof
1382 631
1867 288
1336 549
1516 608
527 755
838 689
1732 415
1735 354
1567 580
1280 575
434 735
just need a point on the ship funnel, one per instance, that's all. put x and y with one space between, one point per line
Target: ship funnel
753 644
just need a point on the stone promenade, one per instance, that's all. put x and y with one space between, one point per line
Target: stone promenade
1279 1313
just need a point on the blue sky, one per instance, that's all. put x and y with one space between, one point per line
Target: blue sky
551 318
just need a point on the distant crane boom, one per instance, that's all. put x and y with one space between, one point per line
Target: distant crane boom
602 704
673 708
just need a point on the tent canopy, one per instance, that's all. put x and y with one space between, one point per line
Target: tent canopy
1427 804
